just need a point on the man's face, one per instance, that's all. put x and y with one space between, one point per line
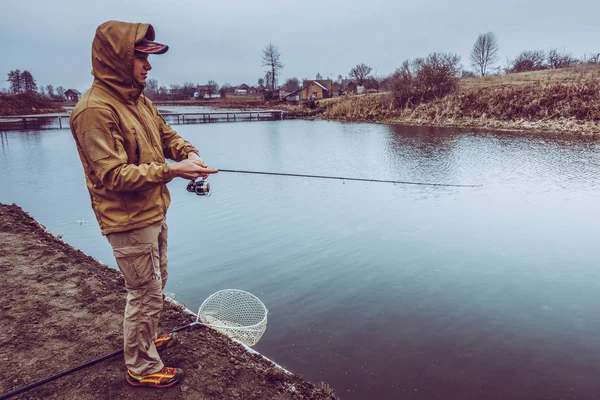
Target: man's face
141 66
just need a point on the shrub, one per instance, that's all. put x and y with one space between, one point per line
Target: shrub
530 60
425 79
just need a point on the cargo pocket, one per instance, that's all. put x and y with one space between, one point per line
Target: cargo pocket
137 264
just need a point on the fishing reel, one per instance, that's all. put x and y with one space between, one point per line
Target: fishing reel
201 188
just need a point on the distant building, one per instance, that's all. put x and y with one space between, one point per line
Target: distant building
317 89
206 91
241 90
290 96
72 95
289 92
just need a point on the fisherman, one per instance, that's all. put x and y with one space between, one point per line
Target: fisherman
123 143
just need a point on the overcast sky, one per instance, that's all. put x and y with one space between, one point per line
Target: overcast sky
223 40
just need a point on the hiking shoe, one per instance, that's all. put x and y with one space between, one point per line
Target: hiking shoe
164 341
164 378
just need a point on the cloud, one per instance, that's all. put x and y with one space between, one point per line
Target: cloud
224 40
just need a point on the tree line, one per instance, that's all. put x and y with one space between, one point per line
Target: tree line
24 82
414 81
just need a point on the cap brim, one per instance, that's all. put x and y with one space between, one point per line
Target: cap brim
148 47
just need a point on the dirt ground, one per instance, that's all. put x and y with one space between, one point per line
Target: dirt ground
61 308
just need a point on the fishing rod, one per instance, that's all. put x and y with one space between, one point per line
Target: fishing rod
77 368
232 312
202 188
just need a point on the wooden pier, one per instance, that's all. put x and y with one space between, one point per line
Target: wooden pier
27 122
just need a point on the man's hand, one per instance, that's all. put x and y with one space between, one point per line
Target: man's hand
193 156
192 168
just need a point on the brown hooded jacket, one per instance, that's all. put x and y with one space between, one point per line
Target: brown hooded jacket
121 137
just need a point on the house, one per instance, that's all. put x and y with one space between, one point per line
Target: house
317 89
206 91
241 90
290 96
289 92
72 95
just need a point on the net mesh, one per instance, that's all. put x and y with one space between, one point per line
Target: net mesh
235 313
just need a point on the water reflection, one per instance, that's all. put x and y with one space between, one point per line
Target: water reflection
4 141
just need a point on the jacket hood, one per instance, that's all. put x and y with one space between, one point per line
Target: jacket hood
112 56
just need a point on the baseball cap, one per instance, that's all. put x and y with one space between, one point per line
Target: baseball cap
148 47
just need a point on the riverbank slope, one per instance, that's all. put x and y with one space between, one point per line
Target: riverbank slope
27 104
560 100
61 308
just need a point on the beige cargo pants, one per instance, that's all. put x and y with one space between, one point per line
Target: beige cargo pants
141 255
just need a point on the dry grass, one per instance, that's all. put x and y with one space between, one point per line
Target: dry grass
564 75
557 100
26 103
362 107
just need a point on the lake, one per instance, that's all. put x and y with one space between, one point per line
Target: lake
383 291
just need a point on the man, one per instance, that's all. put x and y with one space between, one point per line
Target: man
123 141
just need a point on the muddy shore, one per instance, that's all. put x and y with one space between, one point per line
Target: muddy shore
61 308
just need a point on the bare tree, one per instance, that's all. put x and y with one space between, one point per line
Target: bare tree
560 59
187 90
60 93
377 82
272 59
212 88
319 76
151 89
484 52
50 91
163 93
360 73
593 58
269 81
224 89
292 84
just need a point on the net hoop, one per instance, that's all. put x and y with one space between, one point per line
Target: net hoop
235 313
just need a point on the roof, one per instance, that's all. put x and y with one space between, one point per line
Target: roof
325 84
318 84
286 87
74 91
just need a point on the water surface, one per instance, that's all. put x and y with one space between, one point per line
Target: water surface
383 291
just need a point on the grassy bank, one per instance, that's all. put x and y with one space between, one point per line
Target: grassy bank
27 103
566 100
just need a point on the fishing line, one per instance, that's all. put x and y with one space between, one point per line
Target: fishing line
202 188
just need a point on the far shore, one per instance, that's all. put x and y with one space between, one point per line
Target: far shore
565 101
